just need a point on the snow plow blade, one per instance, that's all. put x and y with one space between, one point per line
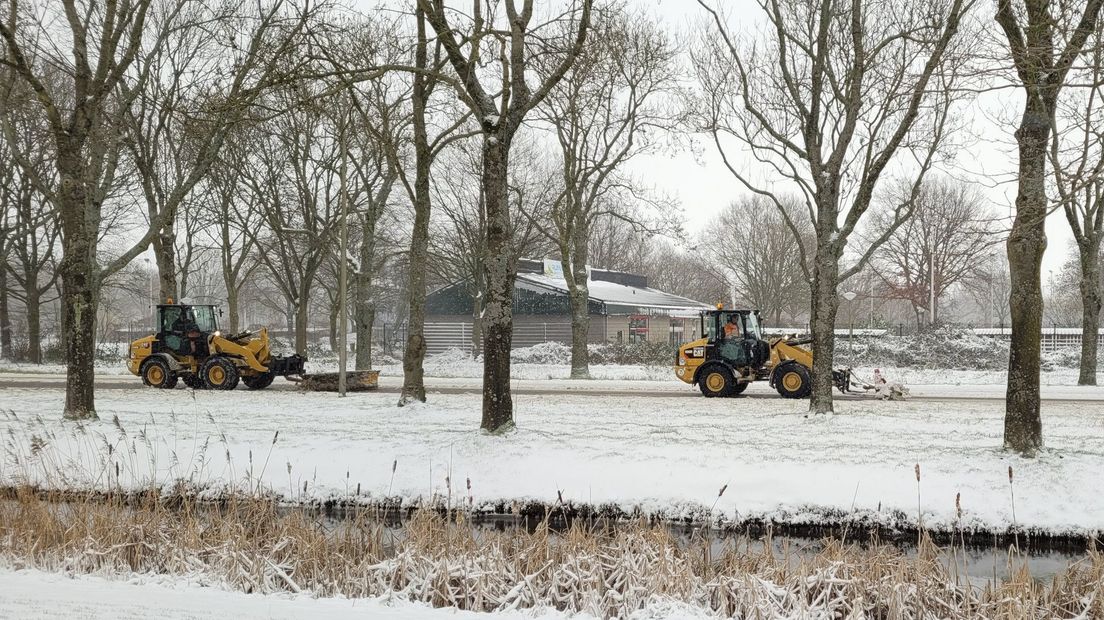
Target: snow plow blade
355 381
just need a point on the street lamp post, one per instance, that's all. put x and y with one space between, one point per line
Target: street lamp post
850 297
343 278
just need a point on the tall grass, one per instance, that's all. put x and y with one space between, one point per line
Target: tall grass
253 545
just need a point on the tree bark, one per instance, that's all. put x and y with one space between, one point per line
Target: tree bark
1090 312
34 322
825 305
578 296
302 320
499 267
364 306
477 327
78 286
1023 427
232 306
5 317
414 352
164 252
333 327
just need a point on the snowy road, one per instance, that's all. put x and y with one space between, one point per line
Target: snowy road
661 454
670 388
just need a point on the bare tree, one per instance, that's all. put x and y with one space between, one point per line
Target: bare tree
1042 63
829 97
501 104
1077 161
84 120
947 242
744 247
613 104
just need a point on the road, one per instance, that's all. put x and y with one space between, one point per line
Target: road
552 387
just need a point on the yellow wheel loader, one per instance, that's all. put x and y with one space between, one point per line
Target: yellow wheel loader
188 345
732 353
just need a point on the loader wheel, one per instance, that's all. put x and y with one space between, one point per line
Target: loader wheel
792 381
259 382
156 373
716 381
739 388
219 374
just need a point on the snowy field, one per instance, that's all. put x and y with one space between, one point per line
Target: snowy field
663 455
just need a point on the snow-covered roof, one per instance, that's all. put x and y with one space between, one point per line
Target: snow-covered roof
613 294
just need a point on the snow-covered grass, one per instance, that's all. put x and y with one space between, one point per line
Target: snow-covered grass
665 456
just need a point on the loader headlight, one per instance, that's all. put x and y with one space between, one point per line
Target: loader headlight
218 333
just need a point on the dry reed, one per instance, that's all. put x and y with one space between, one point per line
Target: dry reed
254 545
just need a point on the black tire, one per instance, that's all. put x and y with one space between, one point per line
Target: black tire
716 381
792 380
193 381
219 373
739 388
156 373
258 382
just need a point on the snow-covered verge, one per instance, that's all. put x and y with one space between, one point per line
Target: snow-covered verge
665 456
45 595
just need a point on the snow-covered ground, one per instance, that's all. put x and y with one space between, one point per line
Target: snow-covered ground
34 594
664 455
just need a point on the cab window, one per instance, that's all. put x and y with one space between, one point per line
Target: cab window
169 316
204 318
753 329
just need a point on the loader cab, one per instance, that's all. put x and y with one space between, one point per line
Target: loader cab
183 329
731 325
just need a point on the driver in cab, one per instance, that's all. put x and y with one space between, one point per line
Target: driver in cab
732 327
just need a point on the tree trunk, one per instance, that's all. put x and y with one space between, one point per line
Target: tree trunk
364 307
1023 427
578 297
414 352
232 306
78 283
34 323
1090 312
333 328
825 304
477 327
499 267
302 320
164 251
5 318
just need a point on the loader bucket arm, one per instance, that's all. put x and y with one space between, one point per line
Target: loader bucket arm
784 350
252 353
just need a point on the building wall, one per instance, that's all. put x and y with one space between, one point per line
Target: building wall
455 331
